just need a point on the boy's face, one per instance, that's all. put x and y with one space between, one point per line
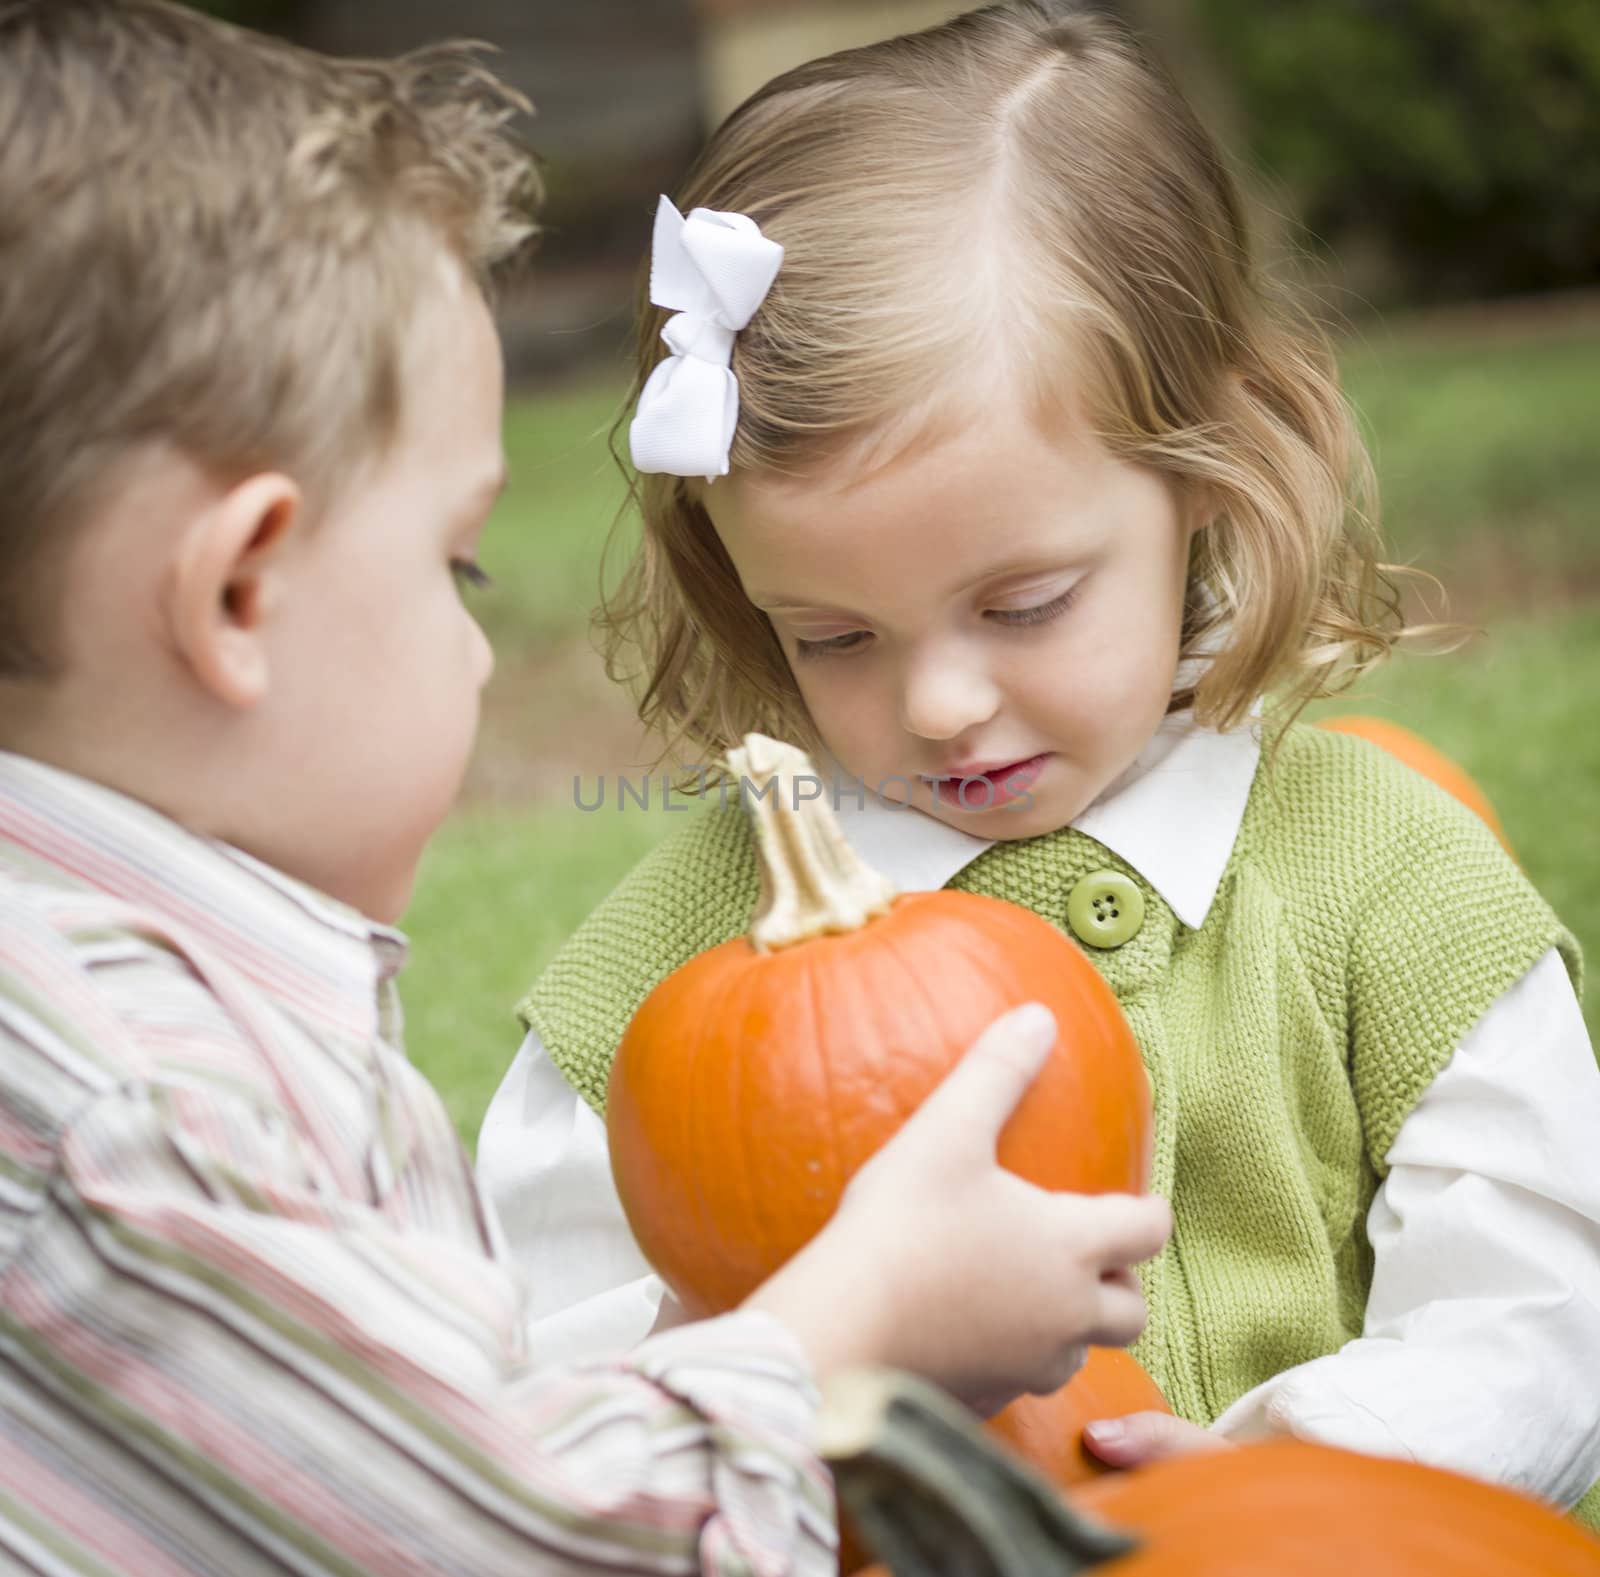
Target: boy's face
376 662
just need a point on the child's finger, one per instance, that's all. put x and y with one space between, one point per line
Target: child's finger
1122 1315
1141 1438
980 1093
1113 1231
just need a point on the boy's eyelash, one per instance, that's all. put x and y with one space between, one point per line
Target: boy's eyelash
470 573
1043 613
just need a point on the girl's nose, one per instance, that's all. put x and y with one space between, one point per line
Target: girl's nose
944 696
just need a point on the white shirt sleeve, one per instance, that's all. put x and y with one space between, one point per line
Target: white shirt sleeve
1481 1345
544 1165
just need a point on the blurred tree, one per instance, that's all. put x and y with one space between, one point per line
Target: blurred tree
745 43
1438 149
1457 139
617 90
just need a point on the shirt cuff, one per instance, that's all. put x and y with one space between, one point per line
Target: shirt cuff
597 1327
1308 1403
1393 1398
748 1377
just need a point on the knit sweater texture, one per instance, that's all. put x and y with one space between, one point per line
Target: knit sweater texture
1364 924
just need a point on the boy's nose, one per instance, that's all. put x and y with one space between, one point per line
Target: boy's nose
484 656
944 697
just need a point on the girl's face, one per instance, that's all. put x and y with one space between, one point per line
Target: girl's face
1001 608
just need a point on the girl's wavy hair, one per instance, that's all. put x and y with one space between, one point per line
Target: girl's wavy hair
1024 181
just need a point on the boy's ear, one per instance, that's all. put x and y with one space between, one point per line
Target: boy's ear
226 586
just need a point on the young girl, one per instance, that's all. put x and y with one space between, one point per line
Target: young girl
981 459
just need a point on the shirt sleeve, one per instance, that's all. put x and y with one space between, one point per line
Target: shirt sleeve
212 1359
1480 1349
544 1165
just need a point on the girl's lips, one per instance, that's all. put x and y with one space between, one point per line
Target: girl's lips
986 790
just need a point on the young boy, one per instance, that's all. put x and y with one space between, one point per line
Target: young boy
253 1312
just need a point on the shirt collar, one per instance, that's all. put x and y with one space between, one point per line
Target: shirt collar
301 948
1173 815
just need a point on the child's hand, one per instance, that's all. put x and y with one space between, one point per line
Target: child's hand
1141 1438
940 1262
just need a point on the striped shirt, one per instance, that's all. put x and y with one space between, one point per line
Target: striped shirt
254 1314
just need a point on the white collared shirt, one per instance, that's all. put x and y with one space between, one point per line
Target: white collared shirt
1481 1344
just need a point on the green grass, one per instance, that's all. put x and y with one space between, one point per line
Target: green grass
1485 446
498 893
1516 709
544 545
1476 443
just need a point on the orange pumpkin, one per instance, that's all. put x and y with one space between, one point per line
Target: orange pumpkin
1418 754
1287 1506
1047 1431
753 1082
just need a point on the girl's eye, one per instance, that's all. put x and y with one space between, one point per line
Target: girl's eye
848 642
1042 614
470 573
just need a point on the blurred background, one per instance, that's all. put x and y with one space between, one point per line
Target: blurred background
1429 172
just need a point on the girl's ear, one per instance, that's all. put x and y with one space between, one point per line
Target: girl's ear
226 584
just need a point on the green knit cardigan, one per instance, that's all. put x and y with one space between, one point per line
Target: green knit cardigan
1363 925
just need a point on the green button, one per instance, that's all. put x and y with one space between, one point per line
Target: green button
1105 909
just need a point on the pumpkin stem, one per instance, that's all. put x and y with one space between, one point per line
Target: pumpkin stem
812 882
934 1495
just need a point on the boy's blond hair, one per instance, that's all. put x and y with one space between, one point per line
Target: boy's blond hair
215 240
1018 197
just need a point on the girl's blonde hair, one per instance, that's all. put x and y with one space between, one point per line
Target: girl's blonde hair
1023 183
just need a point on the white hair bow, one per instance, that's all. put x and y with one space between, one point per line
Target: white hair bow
713 270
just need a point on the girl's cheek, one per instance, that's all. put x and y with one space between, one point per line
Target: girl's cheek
849 718
841 733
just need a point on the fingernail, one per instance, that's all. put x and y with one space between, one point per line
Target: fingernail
1108 1431
1034 1025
